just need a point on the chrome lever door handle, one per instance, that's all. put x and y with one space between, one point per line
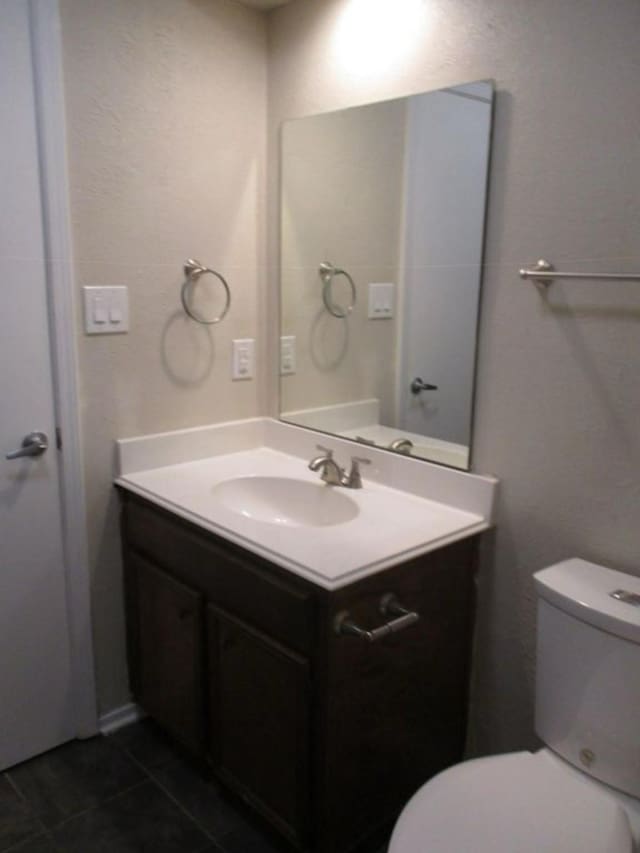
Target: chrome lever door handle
418 385
33 444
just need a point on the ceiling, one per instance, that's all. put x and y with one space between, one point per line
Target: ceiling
263 4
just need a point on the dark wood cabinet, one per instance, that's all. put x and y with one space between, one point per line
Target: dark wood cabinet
170 671
326 736
259 720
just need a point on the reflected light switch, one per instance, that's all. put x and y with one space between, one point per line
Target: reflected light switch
381 300
287 355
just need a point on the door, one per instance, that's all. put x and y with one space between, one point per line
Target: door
448 137
36 698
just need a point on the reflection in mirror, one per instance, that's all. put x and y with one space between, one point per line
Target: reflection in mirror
382 230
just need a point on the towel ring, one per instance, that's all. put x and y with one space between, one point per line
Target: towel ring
193 270
327 273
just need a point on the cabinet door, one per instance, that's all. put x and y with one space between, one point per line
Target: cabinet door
170 674
259 726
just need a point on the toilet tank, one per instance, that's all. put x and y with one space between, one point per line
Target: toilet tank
588 670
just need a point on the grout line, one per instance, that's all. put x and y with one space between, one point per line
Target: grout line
32 814
150 773
205 849
183 809
99 805
24 841
16 787
15 848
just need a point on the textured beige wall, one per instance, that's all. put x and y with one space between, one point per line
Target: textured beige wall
342 170
558 388
166 123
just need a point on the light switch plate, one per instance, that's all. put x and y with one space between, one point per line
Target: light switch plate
381 300
242 360
106 310
287 355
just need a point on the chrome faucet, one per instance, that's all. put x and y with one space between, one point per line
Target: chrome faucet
402 445
333 474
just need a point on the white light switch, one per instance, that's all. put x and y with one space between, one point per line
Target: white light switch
99 311
242 361
381 299
287 355
106 310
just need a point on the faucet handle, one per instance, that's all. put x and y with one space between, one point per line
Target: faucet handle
326 450
354 479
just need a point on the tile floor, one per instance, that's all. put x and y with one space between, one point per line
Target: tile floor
131 792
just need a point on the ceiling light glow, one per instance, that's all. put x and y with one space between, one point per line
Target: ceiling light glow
374 36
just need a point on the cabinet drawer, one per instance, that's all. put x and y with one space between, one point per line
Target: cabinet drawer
245 585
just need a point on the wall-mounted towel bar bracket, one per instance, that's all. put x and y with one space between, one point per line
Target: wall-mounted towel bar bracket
545 273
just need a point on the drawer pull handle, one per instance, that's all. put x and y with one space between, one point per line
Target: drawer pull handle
389 606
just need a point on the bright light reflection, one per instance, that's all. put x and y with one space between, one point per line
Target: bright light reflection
373 36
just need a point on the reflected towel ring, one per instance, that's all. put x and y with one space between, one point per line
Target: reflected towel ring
327 273
193 270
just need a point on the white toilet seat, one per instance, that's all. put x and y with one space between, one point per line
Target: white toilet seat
521 802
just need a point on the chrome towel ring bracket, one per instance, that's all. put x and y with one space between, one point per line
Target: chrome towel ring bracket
193 270
327 273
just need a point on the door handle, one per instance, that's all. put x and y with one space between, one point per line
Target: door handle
418 385
33 444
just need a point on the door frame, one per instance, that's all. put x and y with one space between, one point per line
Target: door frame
46 42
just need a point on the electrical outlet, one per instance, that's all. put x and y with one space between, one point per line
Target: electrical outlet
242 361
287 355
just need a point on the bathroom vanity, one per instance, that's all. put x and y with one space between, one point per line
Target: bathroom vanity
261 671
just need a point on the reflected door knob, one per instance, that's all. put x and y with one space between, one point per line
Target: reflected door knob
33 444
418 385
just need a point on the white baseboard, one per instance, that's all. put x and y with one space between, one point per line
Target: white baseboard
119 717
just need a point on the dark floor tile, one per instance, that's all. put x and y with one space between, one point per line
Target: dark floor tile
200 797
41 844
74 777
141 820
146 743
249 838
228 821
17 820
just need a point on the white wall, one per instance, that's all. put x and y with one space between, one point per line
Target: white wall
558 392
166 124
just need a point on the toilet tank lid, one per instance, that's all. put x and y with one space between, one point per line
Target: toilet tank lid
585 590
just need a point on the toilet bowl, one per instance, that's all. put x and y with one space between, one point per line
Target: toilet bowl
581 793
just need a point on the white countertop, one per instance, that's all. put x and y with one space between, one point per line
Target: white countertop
391 526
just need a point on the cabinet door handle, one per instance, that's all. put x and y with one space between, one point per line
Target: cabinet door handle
343 625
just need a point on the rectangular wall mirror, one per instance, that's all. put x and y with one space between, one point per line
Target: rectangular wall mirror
382 224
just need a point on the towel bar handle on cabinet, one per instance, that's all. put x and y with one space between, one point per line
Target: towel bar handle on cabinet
389 606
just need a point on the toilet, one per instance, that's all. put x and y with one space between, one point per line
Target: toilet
581 792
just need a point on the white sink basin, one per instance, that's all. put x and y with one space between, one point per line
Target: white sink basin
286 501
